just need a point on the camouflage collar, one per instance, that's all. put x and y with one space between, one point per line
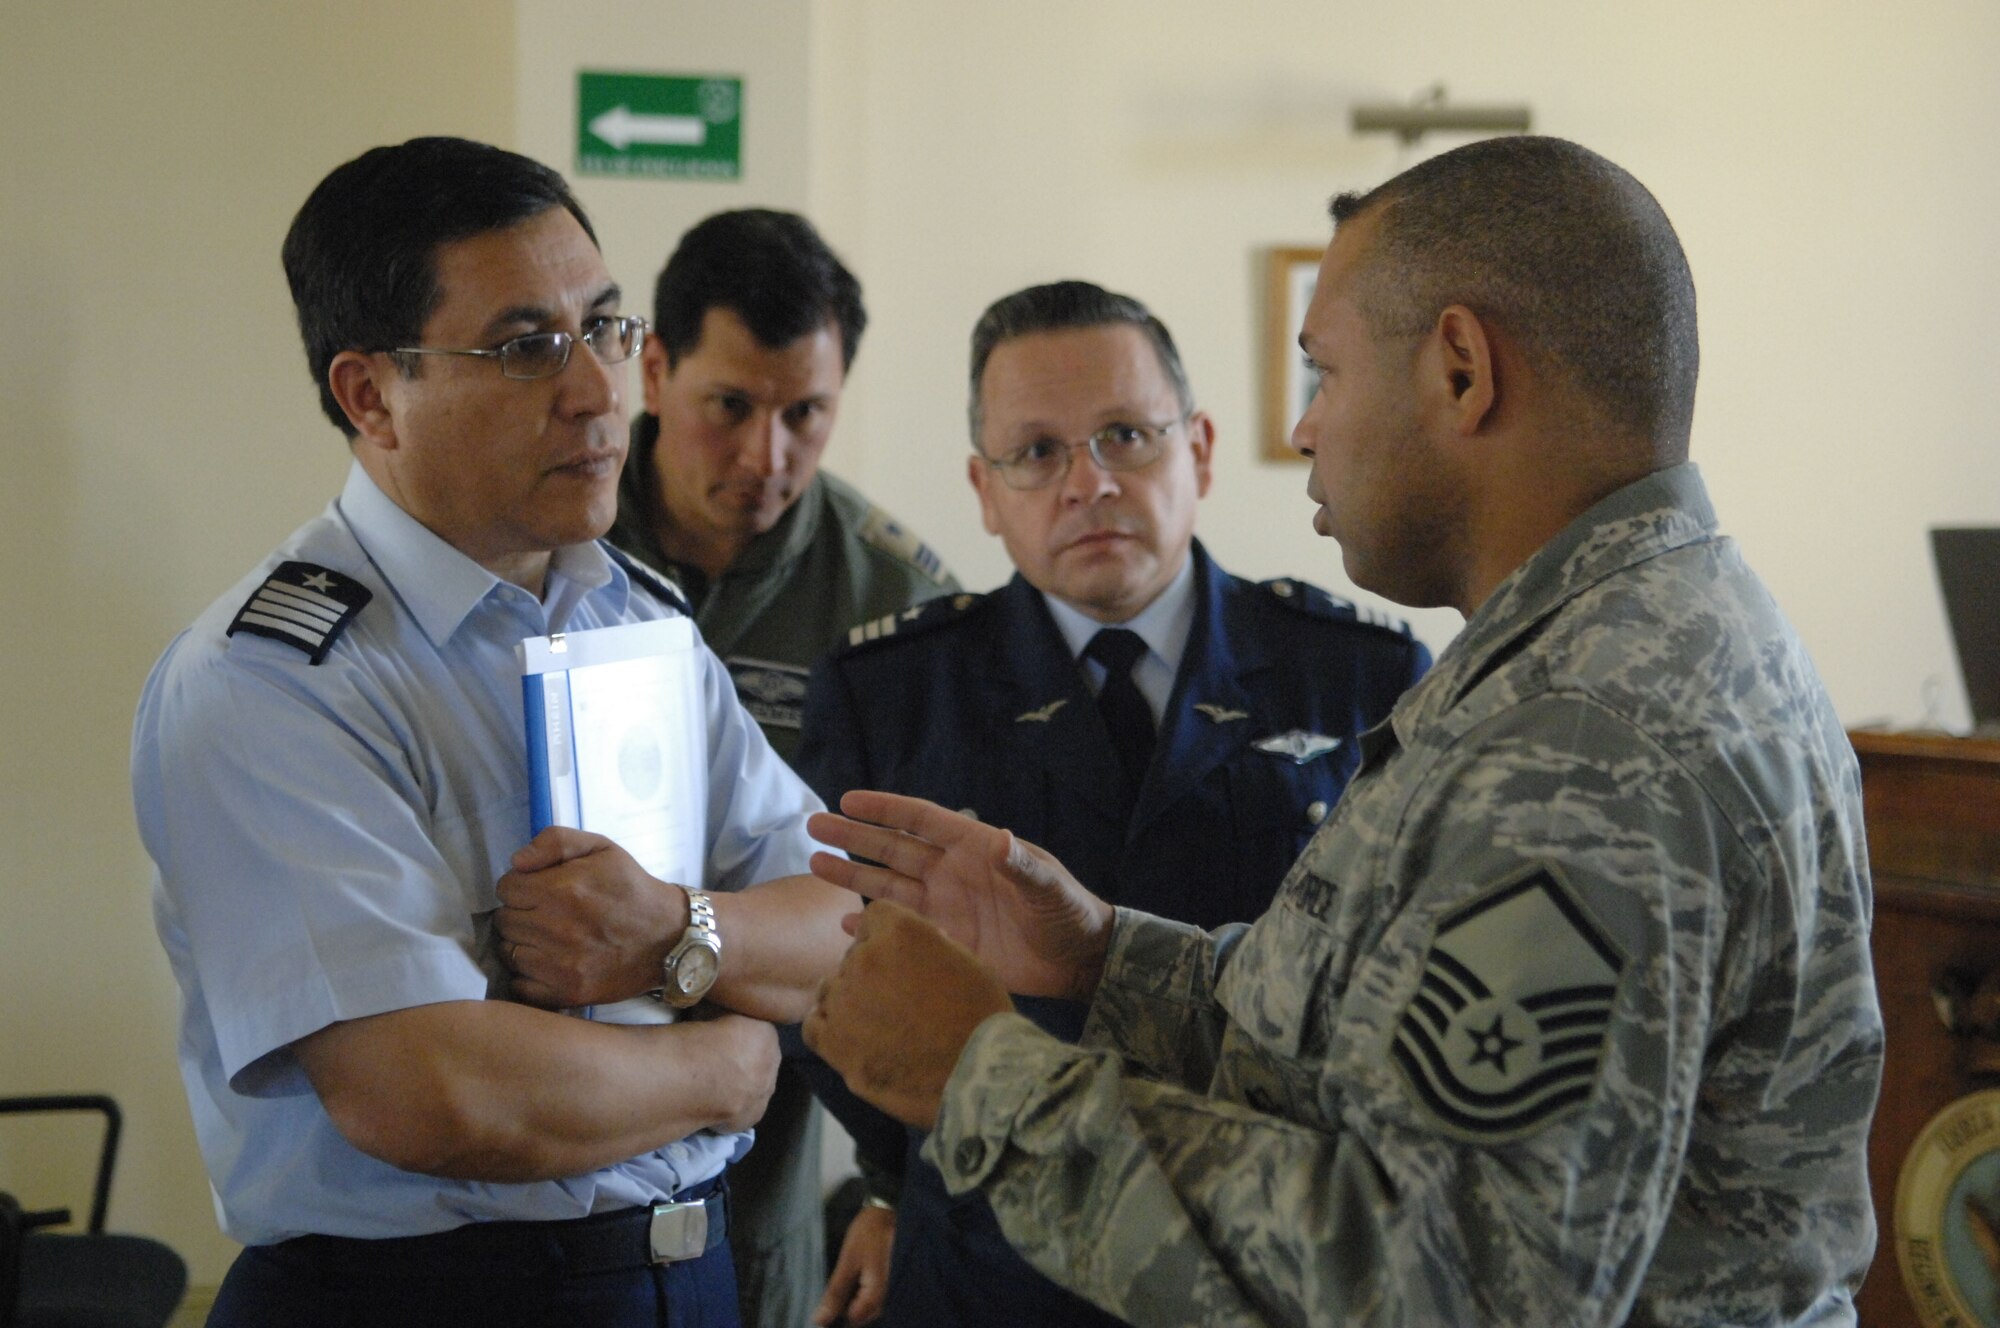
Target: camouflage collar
1665 510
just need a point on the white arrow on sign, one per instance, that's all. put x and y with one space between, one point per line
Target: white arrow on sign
621 127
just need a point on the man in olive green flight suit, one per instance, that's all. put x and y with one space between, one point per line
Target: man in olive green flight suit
755 324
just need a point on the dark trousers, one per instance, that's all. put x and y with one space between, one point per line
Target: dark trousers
484 1275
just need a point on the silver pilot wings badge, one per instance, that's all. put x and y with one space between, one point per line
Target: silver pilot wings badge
1297 746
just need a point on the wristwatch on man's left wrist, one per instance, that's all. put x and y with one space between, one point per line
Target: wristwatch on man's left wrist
692 965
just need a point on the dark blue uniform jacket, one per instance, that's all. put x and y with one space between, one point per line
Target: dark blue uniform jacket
974 702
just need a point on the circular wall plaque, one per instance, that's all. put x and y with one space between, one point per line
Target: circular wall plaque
1948 1215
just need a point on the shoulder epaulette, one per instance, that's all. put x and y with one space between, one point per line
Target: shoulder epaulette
304 605
660 586
922 617
1304 597
882 531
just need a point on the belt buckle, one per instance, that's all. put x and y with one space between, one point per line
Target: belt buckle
678 1231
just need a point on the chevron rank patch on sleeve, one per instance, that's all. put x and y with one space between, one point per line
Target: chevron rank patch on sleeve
1507 1027
303 605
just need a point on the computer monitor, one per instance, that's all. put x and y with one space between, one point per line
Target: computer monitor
1968 568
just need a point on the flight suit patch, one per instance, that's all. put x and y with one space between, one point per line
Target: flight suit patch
774 694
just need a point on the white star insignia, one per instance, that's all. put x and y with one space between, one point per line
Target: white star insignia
319 581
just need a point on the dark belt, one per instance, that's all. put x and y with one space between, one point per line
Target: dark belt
689 1226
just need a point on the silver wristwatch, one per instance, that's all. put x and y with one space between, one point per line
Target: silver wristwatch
691 966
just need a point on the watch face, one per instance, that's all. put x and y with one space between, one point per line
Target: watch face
695 971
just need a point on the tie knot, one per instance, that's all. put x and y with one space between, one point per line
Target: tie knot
1117 649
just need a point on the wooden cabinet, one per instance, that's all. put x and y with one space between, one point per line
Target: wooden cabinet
1933 819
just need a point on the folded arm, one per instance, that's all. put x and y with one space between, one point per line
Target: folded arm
494 1091
581 923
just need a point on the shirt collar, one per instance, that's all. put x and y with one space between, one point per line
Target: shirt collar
1163 625
437 584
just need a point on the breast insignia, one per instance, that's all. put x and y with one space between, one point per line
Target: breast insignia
1043 714
1219 714
1298 746
305 606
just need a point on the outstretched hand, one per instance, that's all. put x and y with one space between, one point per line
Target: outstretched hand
1009 902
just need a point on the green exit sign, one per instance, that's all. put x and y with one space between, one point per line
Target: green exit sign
667 125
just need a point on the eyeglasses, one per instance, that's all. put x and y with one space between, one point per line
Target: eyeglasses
546 354
1114 447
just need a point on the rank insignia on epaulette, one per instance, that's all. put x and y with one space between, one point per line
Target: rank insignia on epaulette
1298 746
1507 1028
1220 714
303 605
1042 714
874 630
881 530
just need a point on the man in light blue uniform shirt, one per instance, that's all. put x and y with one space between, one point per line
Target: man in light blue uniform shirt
329 772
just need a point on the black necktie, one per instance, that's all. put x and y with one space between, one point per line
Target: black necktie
1125 712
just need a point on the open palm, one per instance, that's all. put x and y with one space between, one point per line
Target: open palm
1008 901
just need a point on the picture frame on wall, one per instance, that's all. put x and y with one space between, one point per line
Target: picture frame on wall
1290 273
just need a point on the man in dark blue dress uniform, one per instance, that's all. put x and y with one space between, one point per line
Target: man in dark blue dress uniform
1172 733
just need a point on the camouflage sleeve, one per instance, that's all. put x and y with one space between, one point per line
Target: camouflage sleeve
1130 1192
1461 1067
1156 1002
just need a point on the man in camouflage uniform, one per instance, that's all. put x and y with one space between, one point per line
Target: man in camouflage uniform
756 323
1566 1015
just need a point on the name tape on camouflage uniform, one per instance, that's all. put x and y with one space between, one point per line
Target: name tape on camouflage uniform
304 605
1506 1030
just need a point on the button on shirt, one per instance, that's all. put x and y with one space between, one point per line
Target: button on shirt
328 840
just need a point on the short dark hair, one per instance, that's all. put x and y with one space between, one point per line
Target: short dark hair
769 268
1562 248
1060 306
361 255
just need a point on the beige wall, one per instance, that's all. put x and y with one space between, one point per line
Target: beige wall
639 221
160 434
1826 163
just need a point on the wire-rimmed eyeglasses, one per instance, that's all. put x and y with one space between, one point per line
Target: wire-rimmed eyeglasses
1114 447
613 340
